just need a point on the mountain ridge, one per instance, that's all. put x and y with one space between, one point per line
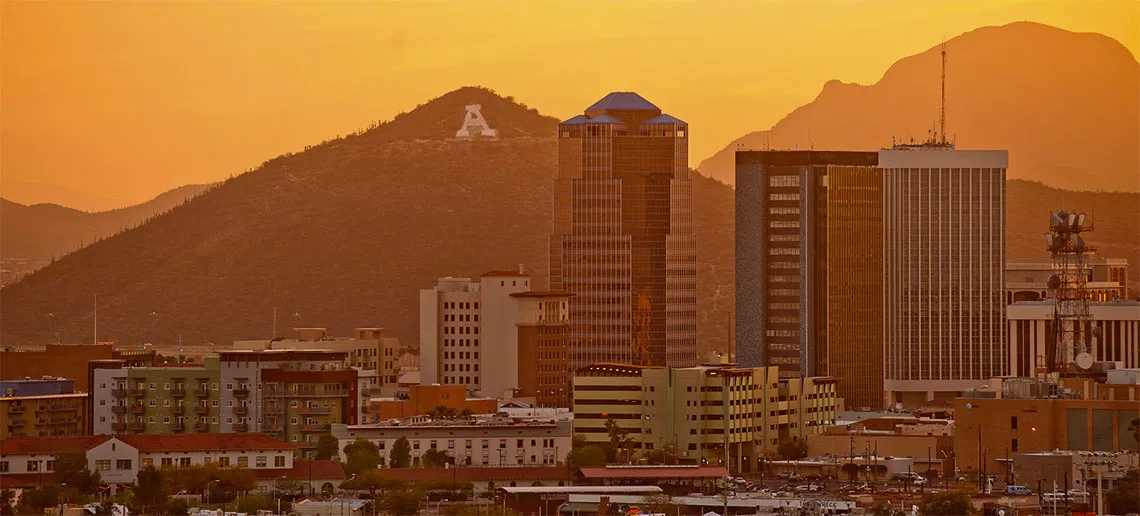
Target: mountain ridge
994 99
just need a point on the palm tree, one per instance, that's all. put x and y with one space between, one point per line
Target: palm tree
1134 427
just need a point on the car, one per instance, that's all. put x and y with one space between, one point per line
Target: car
787 475
739 480
920 481
892 490
1018 490
1055 496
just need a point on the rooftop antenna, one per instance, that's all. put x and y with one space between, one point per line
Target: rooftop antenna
942 116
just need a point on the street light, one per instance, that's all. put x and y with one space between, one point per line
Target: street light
208 491
277 492
153 328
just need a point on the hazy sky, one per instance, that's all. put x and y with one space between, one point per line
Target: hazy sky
105 104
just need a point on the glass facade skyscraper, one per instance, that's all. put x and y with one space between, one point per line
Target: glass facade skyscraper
622 240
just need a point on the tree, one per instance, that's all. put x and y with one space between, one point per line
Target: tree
947 503
287 486
619 440
34 501
442 412
152 491
434 458
660 504
7 500
403 502
1123 498
590 455
71 470
327 447
401 454
792 449
362 455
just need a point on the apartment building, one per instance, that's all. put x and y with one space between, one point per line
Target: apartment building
41 408
292 395
705 414
478 442
469 332
169 399
27 462
543 322
368 350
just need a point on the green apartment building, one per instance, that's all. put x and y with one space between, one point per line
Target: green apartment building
164 399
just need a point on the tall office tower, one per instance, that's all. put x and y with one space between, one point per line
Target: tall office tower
623 240
944 270
809 267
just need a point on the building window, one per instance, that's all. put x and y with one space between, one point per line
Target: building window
243 462
261 462
1013 423
279 461
1013 445
148 463
103 465
167 462
50 465
224 462
123 464
184 462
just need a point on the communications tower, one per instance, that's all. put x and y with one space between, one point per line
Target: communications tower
1069 288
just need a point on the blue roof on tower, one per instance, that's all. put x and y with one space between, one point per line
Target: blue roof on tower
663 119
577 120
623 101
604 119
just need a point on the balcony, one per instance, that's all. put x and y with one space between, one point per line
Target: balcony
241 427
138 392
119 409
119 427
241 393
62 408
17 422
202 392
16 409
178 392
176 409
315 428
177 427
119 393
138 427
315 410
138 409
241 411
201 410
202 427
272 410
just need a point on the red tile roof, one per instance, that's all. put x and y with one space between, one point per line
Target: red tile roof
49 445
478 473
508 273
653 472
144 443
26 480
198 442
322 469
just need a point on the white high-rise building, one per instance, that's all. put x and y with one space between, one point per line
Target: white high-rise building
944 270
468 334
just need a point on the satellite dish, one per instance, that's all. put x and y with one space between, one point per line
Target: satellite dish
1001 512
1084 360
1053 282
1096 332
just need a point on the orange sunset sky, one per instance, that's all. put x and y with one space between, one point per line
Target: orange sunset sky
106 104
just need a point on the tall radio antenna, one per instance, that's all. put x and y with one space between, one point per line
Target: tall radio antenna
942 116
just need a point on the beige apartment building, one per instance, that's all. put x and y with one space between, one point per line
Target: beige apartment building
368 349
701 412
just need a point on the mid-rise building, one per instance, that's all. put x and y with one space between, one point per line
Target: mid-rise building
1043 414
422 399
292 395
368 350
944 271
543 322
1027 279
473 442
170 399
622 239
65 361
1114 335
488 336
41 408
698 412
29 462
809 259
